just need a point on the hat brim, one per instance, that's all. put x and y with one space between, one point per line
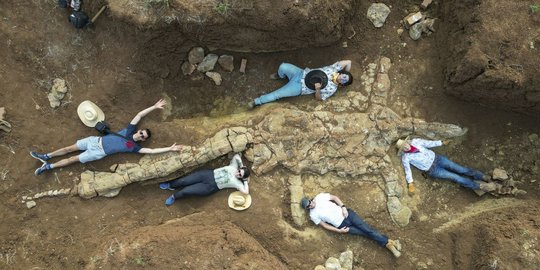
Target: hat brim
89 104
239 207
406 140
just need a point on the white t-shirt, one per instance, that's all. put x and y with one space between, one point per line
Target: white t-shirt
326 210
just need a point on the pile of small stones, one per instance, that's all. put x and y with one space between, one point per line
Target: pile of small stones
205 64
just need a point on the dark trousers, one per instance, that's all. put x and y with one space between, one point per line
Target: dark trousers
199 183
357 226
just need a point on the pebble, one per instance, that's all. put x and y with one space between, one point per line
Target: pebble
30 204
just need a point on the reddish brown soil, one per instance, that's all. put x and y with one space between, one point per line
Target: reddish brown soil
124 69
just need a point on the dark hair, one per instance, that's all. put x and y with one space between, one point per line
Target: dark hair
148 133
63 3
350 81
246 172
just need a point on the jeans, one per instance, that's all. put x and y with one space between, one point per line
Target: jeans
357 226
199 183
446 169
291 89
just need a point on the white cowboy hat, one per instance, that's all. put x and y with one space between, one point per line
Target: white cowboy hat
400 143
90 113
239 201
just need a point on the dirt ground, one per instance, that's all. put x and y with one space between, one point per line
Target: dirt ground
124 69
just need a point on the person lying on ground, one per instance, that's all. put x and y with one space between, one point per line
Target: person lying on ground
321 81
329 212
417 152
98 147
206 182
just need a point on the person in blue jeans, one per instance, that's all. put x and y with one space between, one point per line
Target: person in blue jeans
417 152
96 147
323 85
329 212
206 182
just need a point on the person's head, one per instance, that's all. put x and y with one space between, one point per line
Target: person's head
142 135
63 3
242 173
307 204
344 78
403 145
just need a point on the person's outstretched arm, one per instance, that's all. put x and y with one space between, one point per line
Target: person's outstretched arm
346 64
159 105
173 147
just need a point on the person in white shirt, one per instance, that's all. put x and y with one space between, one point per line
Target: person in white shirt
417 152
206 182
329 212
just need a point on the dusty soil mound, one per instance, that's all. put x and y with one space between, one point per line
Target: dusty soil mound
493 57
499 240
241 25
181 242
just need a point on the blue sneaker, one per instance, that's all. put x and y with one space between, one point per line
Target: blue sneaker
43 168
41 157
166 186
169 201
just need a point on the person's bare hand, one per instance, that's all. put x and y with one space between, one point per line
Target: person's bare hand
175 147
446 142
318 86
344 230
160 104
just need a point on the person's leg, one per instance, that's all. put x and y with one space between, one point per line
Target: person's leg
288 70
291 89
439 171
198 189
454 167
92 151
359 227
65 150
194 178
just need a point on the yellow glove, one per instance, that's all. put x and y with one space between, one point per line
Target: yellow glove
411 188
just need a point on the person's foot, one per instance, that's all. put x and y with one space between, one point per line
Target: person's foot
43 168
41 157
397 244
411 188
166 186
489 187
251 105
390 246
169 201
275 76
486 177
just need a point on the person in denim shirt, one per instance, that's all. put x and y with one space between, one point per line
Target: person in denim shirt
96 147
336 75
417 152
329 212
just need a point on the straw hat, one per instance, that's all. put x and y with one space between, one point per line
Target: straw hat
239 201
90 113
401 142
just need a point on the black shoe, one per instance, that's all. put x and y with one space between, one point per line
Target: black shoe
41 157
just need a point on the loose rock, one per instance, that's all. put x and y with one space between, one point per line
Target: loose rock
500 174
208 63
30 204
416 31
188 68
346 260
377 14
216 77
196 55
58 91
226 62
332 264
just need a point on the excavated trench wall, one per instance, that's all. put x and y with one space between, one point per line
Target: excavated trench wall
492 53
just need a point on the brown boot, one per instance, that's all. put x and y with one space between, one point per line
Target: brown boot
392 247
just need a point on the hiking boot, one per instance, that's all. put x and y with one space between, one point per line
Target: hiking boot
486 177
41 157
411 188
166 186
275 76
390 246
43 168
169 201
396 244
